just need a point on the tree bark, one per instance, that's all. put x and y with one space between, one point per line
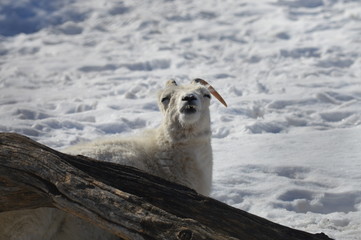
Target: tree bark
123 200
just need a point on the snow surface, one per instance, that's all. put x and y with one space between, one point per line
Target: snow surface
288 146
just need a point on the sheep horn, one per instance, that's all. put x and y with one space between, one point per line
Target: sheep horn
211 90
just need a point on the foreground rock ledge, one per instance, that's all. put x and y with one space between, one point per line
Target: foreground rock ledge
117 198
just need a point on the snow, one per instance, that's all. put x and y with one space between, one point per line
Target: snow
286 148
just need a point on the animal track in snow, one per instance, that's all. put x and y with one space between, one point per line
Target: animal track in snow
291 172
221 132
121 125
151 65
28 114
302 201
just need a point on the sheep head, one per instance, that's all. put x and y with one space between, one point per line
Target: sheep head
187 106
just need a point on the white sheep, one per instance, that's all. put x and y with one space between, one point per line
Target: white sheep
179 151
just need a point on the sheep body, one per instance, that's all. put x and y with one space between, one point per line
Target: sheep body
179 151
183 163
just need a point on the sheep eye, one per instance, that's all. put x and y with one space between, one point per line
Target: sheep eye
165 99
207 96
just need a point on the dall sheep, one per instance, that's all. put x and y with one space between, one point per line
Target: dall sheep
179 151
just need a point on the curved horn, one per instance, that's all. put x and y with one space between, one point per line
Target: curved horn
211 90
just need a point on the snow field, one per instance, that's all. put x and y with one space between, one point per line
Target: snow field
286 148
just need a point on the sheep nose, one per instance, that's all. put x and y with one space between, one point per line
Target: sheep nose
189 98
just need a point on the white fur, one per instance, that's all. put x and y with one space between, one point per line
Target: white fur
179 151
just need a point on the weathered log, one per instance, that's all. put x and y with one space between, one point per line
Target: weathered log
123 200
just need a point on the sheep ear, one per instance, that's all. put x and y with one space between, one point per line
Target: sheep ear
211 90
170 83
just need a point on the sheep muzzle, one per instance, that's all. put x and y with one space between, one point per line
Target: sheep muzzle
188 109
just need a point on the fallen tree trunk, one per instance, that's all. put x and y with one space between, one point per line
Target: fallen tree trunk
125 201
